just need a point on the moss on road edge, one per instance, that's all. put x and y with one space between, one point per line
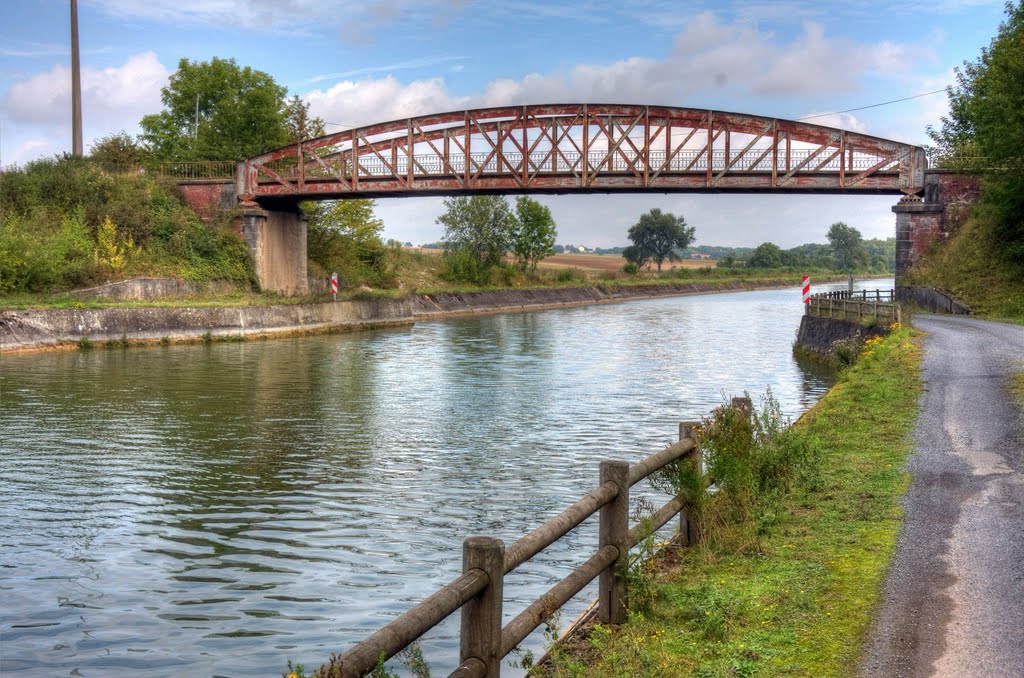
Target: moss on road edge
799 599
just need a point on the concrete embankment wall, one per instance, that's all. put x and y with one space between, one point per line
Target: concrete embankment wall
502 301
931 299
42 329
821 335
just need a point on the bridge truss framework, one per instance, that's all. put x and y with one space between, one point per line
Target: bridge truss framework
573 148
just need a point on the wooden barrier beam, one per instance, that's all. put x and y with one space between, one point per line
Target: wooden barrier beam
556 528
541 609
646 467
393 638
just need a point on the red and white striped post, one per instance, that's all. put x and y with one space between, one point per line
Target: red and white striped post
334 286
805 284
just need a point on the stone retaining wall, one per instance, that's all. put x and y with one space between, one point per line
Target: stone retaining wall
821 335
40 329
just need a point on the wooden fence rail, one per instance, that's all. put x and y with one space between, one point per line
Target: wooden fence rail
478 592
859 305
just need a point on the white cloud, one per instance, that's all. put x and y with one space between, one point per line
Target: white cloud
117 96
27 150
845 121
711 62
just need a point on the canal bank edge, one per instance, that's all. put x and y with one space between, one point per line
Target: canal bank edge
48 329
800 597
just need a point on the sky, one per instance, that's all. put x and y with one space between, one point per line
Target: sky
371 61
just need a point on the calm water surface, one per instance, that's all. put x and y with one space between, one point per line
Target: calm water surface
217 510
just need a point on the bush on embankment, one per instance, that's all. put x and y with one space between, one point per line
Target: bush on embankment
791 566
67 223
974 266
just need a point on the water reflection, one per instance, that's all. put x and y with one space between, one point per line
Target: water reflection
215 510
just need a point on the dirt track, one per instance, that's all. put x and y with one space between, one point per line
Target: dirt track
954 599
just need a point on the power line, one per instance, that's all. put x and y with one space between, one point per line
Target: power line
861 108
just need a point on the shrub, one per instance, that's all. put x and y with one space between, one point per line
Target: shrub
65 222
461 266
570 275
755 459
631 268
34 256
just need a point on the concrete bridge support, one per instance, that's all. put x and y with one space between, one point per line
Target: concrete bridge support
948 198
278 244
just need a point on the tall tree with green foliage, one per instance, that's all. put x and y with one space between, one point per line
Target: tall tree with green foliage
477 233
299 123
766 255
344 237
848 249
118 153
533 233
661 235
241 112
987 119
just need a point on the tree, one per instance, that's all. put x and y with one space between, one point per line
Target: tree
298 123
344 236
986 119
659 235
118 153
533 233
847 248
766 255
636 255
477 234
241 113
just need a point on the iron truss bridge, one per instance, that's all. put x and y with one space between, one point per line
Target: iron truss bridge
580 148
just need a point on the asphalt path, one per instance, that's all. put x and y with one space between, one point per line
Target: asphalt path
954 597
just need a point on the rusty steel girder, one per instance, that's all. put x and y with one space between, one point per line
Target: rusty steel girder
572 148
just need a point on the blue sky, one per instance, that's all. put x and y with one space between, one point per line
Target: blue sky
362 62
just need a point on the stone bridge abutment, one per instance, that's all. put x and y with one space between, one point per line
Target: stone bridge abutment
948 197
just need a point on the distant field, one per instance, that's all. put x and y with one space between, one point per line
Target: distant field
610 262
592 262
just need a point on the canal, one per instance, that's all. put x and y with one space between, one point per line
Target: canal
217 510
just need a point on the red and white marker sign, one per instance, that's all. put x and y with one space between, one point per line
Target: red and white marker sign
806 285
334 285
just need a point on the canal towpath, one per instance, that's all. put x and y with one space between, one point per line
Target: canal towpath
951 603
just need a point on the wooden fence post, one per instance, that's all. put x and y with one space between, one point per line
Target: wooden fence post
614 530
481 616
689 528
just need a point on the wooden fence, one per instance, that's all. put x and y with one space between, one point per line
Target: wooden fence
478 592
858 305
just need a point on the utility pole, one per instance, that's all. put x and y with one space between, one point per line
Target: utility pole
76 86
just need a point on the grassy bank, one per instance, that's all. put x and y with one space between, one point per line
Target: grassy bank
793 593
416 277
66 224
973 266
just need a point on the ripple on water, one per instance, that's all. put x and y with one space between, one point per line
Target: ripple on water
217 510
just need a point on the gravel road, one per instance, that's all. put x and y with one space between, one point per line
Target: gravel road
954 599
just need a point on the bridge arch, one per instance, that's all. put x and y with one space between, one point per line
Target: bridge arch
581 148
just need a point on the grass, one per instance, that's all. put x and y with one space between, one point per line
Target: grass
797 599
971 266
410 273
1017 387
